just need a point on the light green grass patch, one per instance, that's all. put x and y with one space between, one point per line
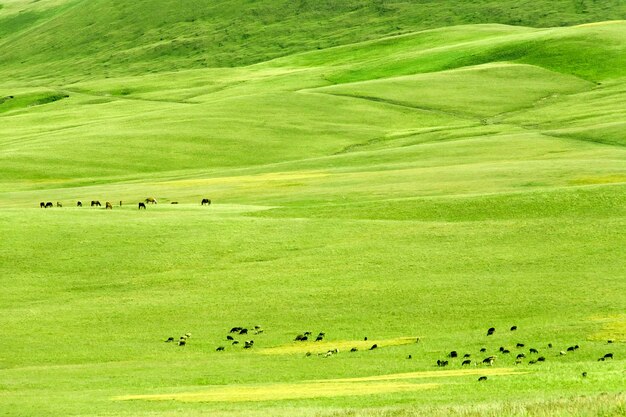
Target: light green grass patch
342 345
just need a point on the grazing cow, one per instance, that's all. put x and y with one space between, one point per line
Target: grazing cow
584 374
519 345
518 361
541 359
141 206
182 342
453 354
441 363
533 350
571 349
108 206
489 361
576 347
42 205
307 333
229 338
150 200
95 203
248 344
467 355
601 359
354 349
610 341
549 345
374 346
513 328
501 348
79 204
506 351
236 342
49 204
466 362
206 201
174 202
520 356
220 349
483 350
409 357
532 362
482 378
59 204
169 339
243 331
491 331
319 338
301 338
308 354
365 339
608 356
236 329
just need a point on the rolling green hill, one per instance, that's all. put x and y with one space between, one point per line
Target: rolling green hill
384 169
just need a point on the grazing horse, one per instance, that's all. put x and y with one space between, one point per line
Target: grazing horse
42 205
206 201
95 203
49 204
79 204
142 206
150 200
59 204
108 206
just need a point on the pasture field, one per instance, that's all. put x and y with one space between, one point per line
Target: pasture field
412 188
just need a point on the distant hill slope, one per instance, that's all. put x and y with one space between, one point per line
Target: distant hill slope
49 38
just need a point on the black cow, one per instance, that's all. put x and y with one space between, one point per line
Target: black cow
466 362
533 350
95 203
374 346
482 378
142 206
513 328
220 349
519 345
79 204
491 331
608 356
206 201
169 339
42 205
49 204
453 354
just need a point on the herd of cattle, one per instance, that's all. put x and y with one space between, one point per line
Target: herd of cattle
109 205
465 359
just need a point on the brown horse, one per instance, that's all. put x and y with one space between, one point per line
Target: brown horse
151 200
108 206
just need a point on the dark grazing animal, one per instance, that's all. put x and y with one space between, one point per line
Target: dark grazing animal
483 350
513 328
150 200
59 204
169 339
601 359
174 202
108 206
410 357
206 201
584 374
519 345
243 331
466 362
482 378
182 342
236 342
467 355
489 361
236 329
453 354
229 338
319 338
506 351
541 359
79 204
571 349
49 204
520 356
354 349
533 350
374 346
220 349
549 345
95 203
608 356
441 363
491 331
141 206
301 338
42 205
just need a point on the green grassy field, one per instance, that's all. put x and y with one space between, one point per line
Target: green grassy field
423 177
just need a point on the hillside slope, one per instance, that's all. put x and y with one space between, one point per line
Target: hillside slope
113 37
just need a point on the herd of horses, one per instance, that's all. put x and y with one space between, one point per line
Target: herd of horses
109 205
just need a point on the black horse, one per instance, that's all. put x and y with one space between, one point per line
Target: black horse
142 206
95 203
79 204
49 204
206 201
